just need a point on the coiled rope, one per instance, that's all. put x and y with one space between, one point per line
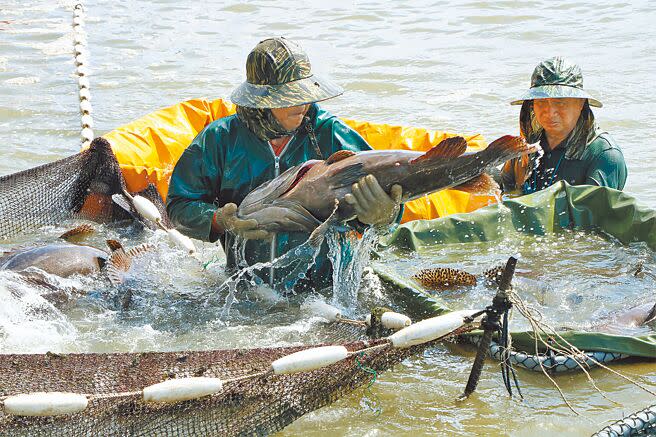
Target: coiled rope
82 71
635 424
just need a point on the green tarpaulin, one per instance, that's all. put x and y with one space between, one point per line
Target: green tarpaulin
599 209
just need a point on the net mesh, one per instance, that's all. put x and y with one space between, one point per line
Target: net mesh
79 186
82 186
257 406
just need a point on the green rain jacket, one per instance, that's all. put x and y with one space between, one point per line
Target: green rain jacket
226 161
589 156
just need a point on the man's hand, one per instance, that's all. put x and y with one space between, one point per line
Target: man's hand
373 205
226 220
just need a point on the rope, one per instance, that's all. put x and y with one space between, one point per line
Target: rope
373 405
634 424
82 72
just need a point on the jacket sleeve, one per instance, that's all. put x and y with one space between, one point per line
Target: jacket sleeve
194 186
607 170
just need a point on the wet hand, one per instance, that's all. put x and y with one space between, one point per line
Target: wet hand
372 204
226 220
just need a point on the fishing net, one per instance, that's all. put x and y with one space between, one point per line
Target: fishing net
246 405
79 186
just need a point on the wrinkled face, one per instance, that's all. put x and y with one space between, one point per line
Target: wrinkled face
290 118
558 116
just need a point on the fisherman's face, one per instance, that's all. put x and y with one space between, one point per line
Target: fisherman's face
558 116
290 118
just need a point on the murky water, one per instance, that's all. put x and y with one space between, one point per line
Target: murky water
440 65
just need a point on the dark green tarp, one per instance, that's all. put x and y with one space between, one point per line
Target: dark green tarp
598 209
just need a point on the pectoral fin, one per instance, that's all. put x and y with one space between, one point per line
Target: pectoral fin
318 235
284 215
117 265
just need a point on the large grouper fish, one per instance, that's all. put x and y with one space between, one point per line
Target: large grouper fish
65 259
307 195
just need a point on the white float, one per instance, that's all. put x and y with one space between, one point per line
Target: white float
392 320
309 359
146 208
45 404
429 329
322 309
181 240
182 389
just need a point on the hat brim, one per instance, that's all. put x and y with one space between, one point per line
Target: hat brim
556 92
299 92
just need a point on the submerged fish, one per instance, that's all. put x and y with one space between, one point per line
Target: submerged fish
445 278
306 195
634 317
65 259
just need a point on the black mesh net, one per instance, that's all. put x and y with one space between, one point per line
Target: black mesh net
80 186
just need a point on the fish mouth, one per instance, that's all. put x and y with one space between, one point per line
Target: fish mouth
301 173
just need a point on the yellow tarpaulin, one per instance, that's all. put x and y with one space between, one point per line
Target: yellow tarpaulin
148 148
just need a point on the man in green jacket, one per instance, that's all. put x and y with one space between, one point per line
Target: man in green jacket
278 125
556 113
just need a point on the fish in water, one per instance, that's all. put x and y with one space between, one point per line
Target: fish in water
65 259
306 195
634 317
445 278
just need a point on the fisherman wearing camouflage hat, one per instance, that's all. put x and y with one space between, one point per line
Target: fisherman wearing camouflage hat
278 125
556 113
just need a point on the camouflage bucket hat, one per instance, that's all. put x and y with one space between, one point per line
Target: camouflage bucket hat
278 75
557 78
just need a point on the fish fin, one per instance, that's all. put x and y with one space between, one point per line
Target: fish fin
651 316
38 279
77 233
117 265
481 184
123 202
139 250
339 155
297 217
271 191
448 148
114 245
347 176
510 145
443 278
317 236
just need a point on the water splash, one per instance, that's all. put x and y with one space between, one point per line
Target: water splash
349 256
296 262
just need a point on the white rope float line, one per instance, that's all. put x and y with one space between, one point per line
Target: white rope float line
82 71
182 389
